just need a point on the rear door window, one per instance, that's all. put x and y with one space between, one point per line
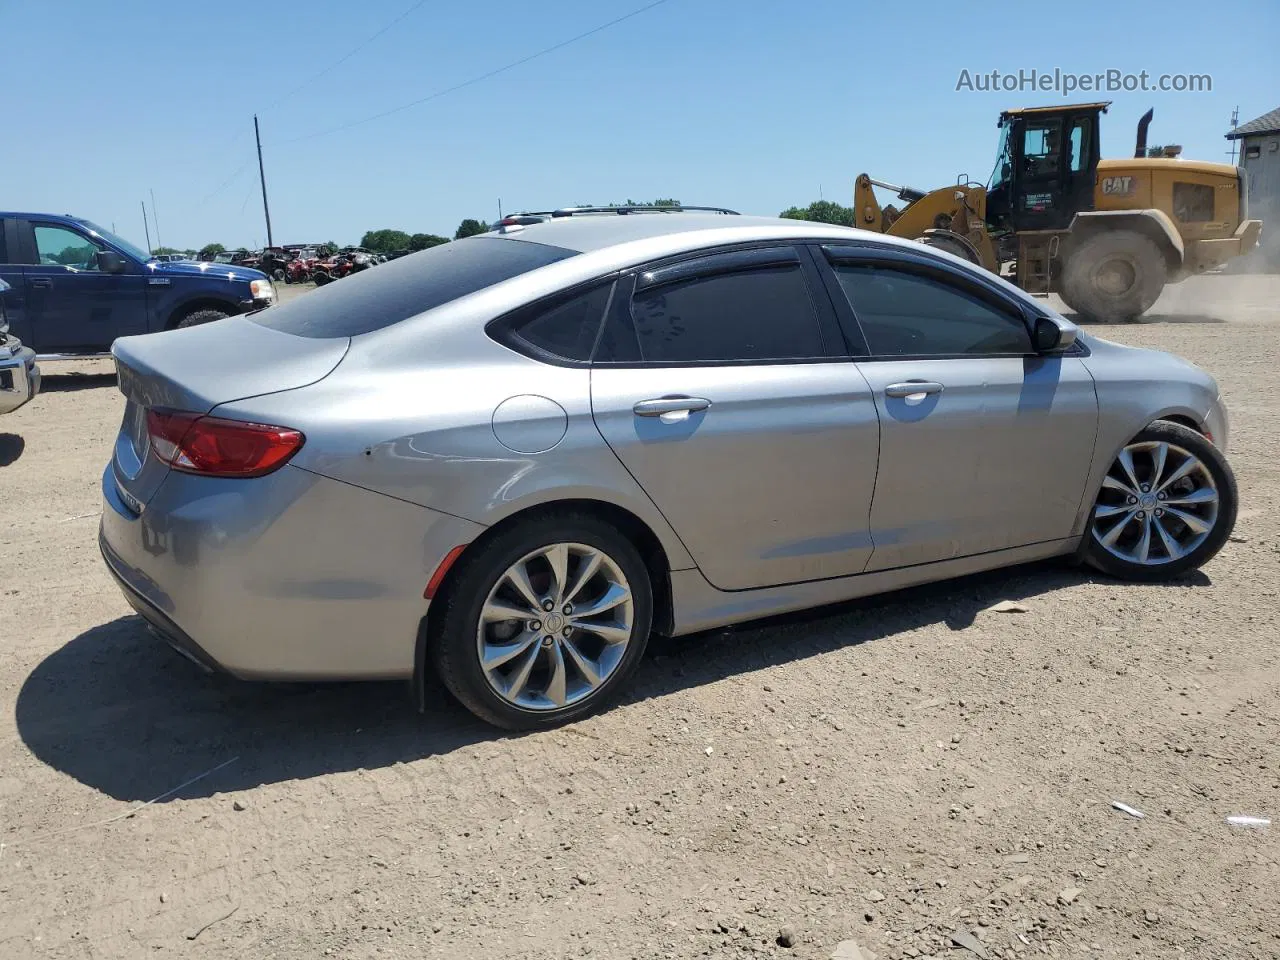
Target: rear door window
392 292
725 312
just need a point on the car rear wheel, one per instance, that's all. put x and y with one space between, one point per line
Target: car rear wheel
545 623
1167 505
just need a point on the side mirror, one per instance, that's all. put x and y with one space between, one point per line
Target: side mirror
110 262
1052 336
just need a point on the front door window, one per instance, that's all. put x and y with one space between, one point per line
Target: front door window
58 246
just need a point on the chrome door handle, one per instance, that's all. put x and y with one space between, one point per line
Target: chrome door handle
665 405
912 388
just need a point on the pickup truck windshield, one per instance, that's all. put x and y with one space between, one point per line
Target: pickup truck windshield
118 242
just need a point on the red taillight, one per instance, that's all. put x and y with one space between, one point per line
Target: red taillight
214 447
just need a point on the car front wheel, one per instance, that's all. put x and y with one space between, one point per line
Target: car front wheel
544 623
1166 506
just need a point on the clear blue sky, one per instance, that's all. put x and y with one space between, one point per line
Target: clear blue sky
752 104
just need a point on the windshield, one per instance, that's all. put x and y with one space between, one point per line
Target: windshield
1003 160
118 242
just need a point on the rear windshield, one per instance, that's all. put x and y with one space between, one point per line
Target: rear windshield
391 292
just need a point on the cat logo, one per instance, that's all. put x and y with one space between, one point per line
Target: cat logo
1118 186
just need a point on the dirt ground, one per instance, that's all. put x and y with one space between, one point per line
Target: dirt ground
890 771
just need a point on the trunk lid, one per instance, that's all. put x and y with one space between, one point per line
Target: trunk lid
197 369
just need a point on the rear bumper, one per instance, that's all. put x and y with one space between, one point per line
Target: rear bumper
1202 255
157 620
19 375
1248 233
287 577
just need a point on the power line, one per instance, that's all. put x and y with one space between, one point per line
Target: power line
225 183
485 76
344 58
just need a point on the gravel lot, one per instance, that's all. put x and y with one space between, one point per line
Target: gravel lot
888 771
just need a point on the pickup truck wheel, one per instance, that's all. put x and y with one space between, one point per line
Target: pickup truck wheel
197 317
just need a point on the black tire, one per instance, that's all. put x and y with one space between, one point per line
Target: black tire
1224 480
320 278
1113 276
206 315
951 244
278 274
453 644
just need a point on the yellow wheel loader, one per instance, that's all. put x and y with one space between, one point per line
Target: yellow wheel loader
1105 235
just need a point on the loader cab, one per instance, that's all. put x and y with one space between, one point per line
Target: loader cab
1045 167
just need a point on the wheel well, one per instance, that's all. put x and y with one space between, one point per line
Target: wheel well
1184 421
627 523
1086 228
209 303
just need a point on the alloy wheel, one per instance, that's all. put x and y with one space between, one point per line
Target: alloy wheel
1158 503
555 626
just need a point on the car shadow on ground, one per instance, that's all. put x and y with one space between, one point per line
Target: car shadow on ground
1147 319
68 382
11 447
120 712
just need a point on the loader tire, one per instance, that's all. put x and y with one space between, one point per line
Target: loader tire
1113 276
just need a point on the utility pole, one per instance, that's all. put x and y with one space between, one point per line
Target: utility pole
155 219
499 209
263 178
146 229
1235 122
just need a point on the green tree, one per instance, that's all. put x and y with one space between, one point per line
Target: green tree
161 251
469 228
211 250
821 211
329 249
661 202
423 241
75 256
384 241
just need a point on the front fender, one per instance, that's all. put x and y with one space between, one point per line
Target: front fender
1153 223
1136 387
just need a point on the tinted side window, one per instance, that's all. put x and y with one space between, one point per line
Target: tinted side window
906 314
374 299
760 314
58 246
566 328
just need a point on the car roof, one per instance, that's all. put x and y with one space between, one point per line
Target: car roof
588 232
595 233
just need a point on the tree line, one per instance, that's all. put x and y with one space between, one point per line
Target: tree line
388 240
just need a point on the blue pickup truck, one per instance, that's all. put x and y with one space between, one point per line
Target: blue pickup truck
75 287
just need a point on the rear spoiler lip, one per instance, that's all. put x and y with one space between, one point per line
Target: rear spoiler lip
185 369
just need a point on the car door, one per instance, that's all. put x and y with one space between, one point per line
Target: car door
72 306
721 383
984 444
15 298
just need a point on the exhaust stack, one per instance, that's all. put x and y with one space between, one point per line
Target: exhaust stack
1140 149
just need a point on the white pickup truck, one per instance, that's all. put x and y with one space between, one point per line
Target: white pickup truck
19 375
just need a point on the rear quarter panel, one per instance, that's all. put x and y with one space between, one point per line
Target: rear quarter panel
422 429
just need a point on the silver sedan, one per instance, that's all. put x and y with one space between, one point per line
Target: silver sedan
512 458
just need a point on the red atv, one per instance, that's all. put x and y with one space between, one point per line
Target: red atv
301 266
330 269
